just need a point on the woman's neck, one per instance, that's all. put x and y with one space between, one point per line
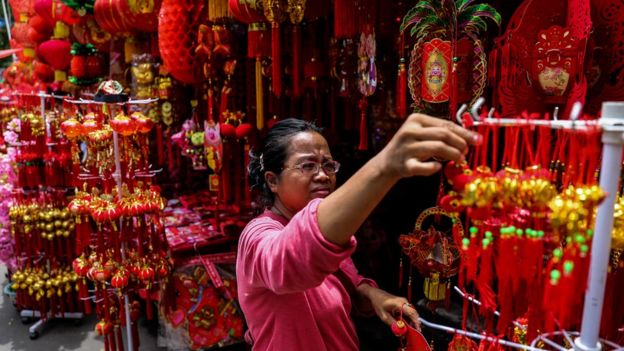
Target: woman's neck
279 209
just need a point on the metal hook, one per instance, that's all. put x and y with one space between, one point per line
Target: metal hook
460 112
575 113
556 113
491 112
476 107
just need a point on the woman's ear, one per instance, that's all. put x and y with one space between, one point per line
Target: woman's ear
271 179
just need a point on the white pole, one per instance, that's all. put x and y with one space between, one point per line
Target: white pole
123 249
601 243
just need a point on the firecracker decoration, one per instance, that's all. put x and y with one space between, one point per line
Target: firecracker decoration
439 28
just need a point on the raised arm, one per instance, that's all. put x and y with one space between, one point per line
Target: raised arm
413 150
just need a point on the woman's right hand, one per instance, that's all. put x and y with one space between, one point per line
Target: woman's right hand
422 142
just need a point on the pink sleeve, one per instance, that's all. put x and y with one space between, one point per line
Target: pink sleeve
289 259
361 306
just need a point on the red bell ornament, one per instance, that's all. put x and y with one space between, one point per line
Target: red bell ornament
177 27
103 328
120 279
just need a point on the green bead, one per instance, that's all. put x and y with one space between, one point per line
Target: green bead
465 242
519 232
584 248
486 242
555 275
512 229
557 253
590 232
473 230
579 238
568 266
488 235
540 233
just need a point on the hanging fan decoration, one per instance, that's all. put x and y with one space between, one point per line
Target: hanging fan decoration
447 39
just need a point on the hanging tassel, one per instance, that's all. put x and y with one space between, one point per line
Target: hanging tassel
296 56
409 285
119 336
400 272
401 98
159 145
363 105
259 96
276 69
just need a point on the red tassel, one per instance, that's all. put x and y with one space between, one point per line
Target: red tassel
296 66
363 105
401 98
276 69
400 272
119 336
484 281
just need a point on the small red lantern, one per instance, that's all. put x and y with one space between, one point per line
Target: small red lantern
71 128
146 274
103 328
120 279
123 125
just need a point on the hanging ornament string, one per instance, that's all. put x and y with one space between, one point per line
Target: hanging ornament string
274 12
296 10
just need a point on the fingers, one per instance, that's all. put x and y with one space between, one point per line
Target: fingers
426 150
412 314
470 137
416 167
441 134
386 318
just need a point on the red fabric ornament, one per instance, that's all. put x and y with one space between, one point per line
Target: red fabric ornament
178 21
43 72
78 67
113 15
56 53
43 8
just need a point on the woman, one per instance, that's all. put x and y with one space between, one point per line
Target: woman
296 280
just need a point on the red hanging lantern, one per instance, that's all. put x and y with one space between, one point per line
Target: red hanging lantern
178 23
123 125
113 15
57 54
71 128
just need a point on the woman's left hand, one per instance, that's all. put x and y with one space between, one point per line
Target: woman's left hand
387 306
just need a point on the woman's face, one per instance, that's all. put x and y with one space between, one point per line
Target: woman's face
297 185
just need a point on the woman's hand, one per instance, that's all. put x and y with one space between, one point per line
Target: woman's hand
388 306
422 142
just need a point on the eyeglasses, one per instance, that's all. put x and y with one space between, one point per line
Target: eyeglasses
312 168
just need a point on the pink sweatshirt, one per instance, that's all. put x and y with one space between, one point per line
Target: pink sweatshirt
286 286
